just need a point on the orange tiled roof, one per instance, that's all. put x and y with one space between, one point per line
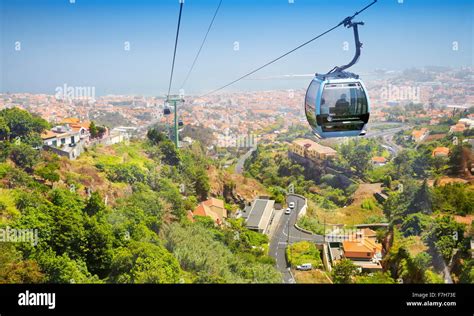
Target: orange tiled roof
314 146
200 210
418 133
70 120
48 135
458 128
365 245
441 151
85 124
369 232
214 202
379 159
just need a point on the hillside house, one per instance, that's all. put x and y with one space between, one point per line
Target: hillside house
379 161
258 215
419 135
64 141
441 152
311 150
213 208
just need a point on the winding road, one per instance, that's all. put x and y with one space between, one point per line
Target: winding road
239 167
287 232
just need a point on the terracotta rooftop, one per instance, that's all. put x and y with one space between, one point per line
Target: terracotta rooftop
310 145
379 159
441 151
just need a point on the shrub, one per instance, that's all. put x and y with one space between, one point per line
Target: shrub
303 252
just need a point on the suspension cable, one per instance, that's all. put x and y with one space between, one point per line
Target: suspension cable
202 45
343 22
175 45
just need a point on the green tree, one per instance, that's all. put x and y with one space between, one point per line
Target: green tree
15 270
344 271
21 123
200 251
387 181
94 204
63 269
456 162
467 273
201 184
422 201
415 224
96 131
375 278
446 245
170 153
49 172
358 154
4 150
22 272
431 277
127 173
24 156
144 263
99 245
93 130
4 129
403 164
155 136
455 198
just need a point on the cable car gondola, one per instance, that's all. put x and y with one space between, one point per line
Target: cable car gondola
166 111
336 103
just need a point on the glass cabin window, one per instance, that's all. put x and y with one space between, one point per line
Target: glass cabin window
310 102
344 99
344 107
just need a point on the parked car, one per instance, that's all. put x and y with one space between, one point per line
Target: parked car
288 211
292 205
305 267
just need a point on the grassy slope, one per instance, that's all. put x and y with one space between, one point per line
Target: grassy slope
353 214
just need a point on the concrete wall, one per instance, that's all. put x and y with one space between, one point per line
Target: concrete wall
326 261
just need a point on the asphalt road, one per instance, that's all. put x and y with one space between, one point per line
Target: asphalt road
239 167
286 232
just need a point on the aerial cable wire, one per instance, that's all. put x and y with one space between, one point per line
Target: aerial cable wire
175 46
343 22
202 44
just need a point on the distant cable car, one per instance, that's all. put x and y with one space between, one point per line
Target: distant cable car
166 111
336 103
180 123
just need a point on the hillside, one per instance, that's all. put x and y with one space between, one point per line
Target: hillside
118 214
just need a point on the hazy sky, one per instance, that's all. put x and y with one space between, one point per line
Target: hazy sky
82 44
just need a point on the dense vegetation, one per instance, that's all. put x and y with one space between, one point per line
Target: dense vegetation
304 252
116 215
423 235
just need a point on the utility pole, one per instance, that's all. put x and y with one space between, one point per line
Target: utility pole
174 100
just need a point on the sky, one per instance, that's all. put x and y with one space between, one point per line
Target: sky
82 44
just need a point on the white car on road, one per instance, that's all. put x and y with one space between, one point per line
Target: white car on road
292 205
288 211
305 267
